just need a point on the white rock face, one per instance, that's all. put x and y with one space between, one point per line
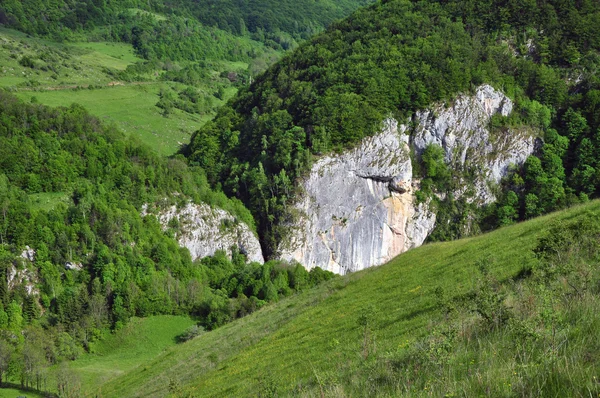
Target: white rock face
462 130
25 277
204 230
358 209
28 254
75 266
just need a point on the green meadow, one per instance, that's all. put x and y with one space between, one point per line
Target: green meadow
16 393
77 72
132 109
140 341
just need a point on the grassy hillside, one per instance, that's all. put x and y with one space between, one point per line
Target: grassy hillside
139 342
95 75
347 335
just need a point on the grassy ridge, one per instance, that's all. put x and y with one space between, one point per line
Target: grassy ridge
305 342
132 108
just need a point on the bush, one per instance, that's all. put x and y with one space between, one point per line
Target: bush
190 333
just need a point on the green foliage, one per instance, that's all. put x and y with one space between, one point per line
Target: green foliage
393 58
190 333
98 262
270 20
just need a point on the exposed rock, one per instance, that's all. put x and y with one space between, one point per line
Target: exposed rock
203 230
74 266
358 208
25 277
28 254
462 131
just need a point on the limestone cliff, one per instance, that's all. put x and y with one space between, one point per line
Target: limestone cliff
203 230
462 130
358 208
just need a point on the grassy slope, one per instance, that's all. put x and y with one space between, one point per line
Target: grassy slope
140 341
15 393
132 108
311 336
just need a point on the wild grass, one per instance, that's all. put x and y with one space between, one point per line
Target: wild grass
140 341
16 393
110 55
78 72
359 335
48 200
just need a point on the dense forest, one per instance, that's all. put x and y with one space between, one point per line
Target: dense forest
396 57
301 19
278 24
78 258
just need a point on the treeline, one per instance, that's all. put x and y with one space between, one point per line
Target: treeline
177 38
391 59
268 19
77 257
61 18
278 24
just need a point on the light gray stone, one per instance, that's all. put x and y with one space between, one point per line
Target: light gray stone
462 131
358 208
203 230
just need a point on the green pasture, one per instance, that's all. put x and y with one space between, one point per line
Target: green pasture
132 108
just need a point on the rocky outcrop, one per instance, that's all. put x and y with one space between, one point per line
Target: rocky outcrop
25 277
461 129
358 208
203 230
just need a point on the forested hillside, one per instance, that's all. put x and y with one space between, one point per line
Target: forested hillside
396 57
301 19
77 258
276 23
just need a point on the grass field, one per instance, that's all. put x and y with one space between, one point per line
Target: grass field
139 342
132 108
15 393
48 200
110 55
303 341
61 69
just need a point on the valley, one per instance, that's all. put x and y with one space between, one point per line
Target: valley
299 198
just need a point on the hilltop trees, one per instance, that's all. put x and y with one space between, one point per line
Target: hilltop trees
399 56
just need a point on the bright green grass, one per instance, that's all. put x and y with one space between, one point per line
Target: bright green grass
48 200
14 393
110 55
84 65
132 108
309 336
140 341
